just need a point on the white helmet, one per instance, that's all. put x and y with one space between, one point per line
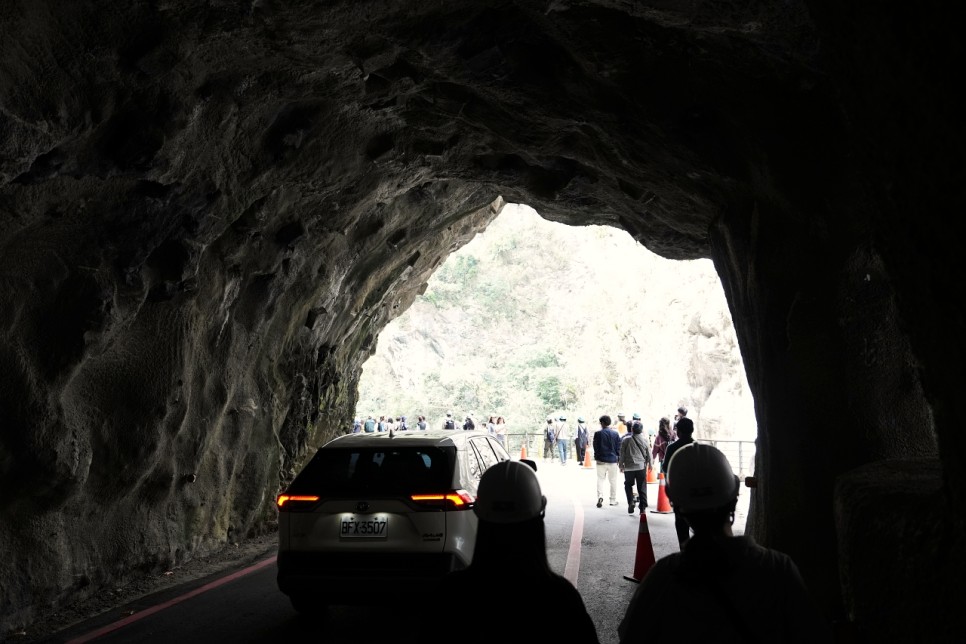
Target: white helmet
699 477
509 493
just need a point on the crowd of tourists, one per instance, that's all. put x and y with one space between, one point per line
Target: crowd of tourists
495 425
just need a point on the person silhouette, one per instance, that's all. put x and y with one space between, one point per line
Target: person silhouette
742 591
685 428
510 562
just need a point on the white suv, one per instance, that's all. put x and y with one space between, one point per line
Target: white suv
381 510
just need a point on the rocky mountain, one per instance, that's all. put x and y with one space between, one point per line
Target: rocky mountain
534 318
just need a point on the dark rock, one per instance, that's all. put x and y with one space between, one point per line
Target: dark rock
201 197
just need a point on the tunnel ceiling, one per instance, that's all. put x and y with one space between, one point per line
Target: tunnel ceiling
208 211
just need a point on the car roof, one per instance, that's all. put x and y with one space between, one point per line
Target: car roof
436 437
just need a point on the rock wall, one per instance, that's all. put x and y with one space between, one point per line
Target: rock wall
196 202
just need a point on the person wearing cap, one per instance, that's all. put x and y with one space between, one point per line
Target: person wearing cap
563 439
581 440
621 426
720 588
685 438
510 561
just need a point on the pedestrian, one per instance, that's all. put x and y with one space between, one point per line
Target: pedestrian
421 423
370 425
563 439
741 591
499 430
581 440
468 424
510 557
381 425
356 426
682 412
402 424
390 423
635 458
621 424
491 425
449 423
664 438
607 449
549 439
685 437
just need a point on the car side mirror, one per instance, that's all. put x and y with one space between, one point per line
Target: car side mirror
529 462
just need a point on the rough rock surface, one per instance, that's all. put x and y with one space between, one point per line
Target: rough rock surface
195 199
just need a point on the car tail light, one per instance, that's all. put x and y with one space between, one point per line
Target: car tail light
296 501
455 500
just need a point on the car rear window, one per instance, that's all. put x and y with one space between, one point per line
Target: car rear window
404 470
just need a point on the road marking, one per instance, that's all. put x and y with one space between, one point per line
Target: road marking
147 612
576 536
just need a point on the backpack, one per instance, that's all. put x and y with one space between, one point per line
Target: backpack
551 433
449 424
469 424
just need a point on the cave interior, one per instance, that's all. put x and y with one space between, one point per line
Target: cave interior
208 212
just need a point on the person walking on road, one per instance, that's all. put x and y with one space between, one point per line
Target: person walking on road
621 427
720 588
563 439
607 451
682 412
581 440
635 458
549 440
510 557
499 430
664 438
686 437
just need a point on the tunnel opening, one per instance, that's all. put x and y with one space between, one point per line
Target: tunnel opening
534 318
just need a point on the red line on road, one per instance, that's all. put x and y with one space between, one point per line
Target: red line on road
147 612
573 554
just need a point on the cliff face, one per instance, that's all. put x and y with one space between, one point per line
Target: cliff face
533 318
209 212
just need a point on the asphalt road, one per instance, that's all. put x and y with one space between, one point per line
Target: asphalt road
593 547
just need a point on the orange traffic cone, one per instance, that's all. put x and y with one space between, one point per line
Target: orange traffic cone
663 504
523 452
586 458
651 477
644 558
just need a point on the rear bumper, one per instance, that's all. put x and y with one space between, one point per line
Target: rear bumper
347 578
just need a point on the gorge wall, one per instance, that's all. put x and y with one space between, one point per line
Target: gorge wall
195 201
534 318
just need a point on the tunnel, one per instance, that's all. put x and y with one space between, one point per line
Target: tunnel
209 211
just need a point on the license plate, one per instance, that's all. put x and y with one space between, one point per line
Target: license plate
371 527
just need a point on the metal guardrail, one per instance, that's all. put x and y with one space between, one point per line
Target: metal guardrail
740 454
